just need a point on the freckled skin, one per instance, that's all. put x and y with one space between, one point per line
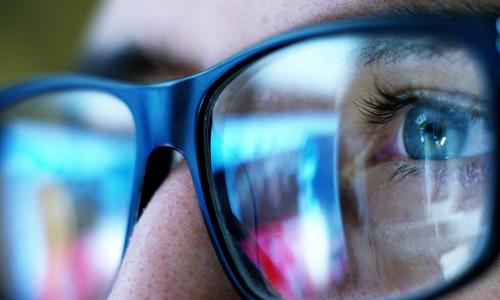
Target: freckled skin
170 255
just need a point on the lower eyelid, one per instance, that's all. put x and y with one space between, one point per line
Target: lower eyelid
469 172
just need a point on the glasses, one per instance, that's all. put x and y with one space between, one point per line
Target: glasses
350 160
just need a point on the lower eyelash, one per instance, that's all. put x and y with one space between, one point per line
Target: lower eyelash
404 171
407 171
469 174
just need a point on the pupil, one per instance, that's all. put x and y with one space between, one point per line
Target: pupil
434 132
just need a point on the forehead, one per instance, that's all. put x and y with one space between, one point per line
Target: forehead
203 32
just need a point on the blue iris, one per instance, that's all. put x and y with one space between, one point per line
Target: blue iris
435 133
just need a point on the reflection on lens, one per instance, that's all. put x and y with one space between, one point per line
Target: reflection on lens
66 165
353 167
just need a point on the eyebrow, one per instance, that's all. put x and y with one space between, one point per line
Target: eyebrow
444 8
133 65
394 49
126 64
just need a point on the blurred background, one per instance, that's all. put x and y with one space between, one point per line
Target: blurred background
39 37
66 166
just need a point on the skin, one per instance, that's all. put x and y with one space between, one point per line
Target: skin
394 219
170 255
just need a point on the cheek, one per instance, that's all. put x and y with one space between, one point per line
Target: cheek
396 193
414 230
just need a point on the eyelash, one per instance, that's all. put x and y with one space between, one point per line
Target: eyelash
468 173
380 107
409 171
383 105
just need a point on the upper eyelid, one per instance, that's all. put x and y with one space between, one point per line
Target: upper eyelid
466 102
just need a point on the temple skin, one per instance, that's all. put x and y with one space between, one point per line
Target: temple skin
170 255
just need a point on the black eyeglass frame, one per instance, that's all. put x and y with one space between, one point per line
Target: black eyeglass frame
177 114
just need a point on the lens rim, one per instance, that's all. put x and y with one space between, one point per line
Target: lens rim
478 47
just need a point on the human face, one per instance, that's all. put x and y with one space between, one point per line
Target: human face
169 254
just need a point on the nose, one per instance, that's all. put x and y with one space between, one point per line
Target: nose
170 255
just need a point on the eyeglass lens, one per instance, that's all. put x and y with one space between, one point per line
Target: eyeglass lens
354 166
66 167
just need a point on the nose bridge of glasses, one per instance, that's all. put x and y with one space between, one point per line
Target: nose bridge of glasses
170 116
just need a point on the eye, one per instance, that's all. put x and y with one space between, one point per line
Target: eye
434 133
439 133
